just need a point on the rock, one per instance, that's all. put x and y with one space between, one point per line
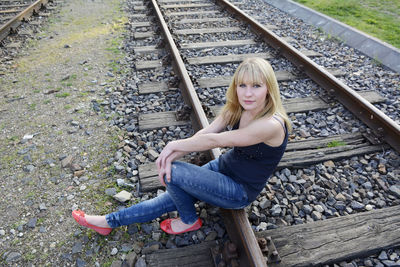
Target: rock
368 263
211 236
382 168
276 210
304 133
340 197
140 262
355 205
389 263
316 215
77 248
156 236
119 168
131 258
369 207
126 247
32 223
262 227
79 173
80 262
67 162
151 249
116 263
2 232
153 155
114 251
13 257
29 168
383 256
110 191
123 196
340 205
265 204
329 163
395 190
367 185
307 209
319 208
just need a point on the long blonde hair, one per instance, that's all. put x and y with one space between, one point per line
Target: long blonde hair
258 71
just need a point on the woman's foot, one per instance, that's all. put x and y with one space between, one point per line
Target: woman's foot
176 226
97 223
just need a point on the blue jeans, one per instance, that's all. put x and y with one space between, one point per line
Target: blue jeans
189 183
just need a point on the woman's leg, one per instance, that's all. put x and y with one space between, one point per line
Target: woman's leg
190 183
142 212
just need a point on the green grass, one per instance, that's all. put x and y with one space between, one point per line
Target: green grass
379 18
63 95
335 143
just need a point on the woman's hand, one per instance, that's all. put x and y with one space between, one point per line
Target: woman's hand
164 161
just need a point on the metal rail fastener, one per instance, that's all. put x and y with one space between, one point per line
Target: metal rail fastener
13 24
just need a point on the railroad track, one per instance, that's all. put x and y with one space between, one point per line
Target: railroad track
14 12
188 46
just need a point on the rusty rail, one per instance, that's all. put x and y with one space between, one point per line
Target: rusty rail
13 24
236 221
383 126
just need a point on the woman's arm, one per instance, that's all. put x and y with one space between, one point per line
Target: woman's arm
262 130
170 153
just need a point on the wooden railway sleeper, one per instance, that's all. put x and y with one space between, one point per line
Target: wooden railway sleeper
226 256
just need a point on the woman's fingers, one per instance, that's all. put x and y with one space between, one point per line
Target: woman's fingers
161 174
168 170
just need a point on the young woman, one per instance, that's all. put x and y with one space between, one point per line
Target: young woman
258 132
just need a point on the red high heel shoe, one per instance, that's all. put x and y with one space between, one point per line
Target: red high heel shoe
166 226
79 217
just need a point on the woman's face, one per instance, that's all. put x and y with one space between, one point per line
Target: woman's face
252 96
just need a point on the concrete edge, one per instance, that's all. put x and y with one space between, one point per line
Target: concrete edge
383 52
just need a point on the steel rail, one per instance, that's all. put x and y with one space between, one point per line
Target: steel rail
236 221
383 126
12 24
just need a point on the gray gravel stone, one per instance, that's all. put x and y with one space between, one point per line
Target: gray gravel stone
395 190
32 223
12 256
140 262
77 248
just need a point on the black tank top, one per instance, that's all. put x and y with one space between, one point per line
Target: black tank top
252 165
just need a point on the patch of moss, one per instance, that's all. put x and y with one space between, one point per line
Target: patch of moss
336 143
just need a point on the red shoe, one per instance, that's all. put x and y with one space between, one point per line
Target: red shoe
166 226
79 217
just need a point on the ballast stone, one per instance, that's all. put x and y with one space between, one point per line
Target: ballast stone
123 196
395 190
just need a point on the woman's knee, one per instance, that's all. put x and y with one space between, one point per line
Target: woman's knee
179 172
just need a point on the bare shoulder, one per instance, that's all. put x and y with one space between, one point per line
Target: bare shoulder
274 129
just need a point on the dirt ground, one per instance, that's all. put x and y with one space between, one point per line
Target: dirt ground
55 142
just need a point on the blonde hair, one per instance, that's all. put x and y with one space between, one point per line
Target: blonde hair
257 70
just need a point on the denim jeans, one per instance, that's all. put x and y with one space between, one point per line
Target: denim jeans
189 183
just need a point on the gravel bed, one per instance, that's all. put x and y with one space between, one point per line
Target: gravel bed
256 48
363 73
297 196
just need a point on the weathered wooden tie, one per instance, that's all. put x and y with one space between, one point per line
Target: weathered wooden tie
194 255
164 119
224 81
191 13
201 5
336 239
207 30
